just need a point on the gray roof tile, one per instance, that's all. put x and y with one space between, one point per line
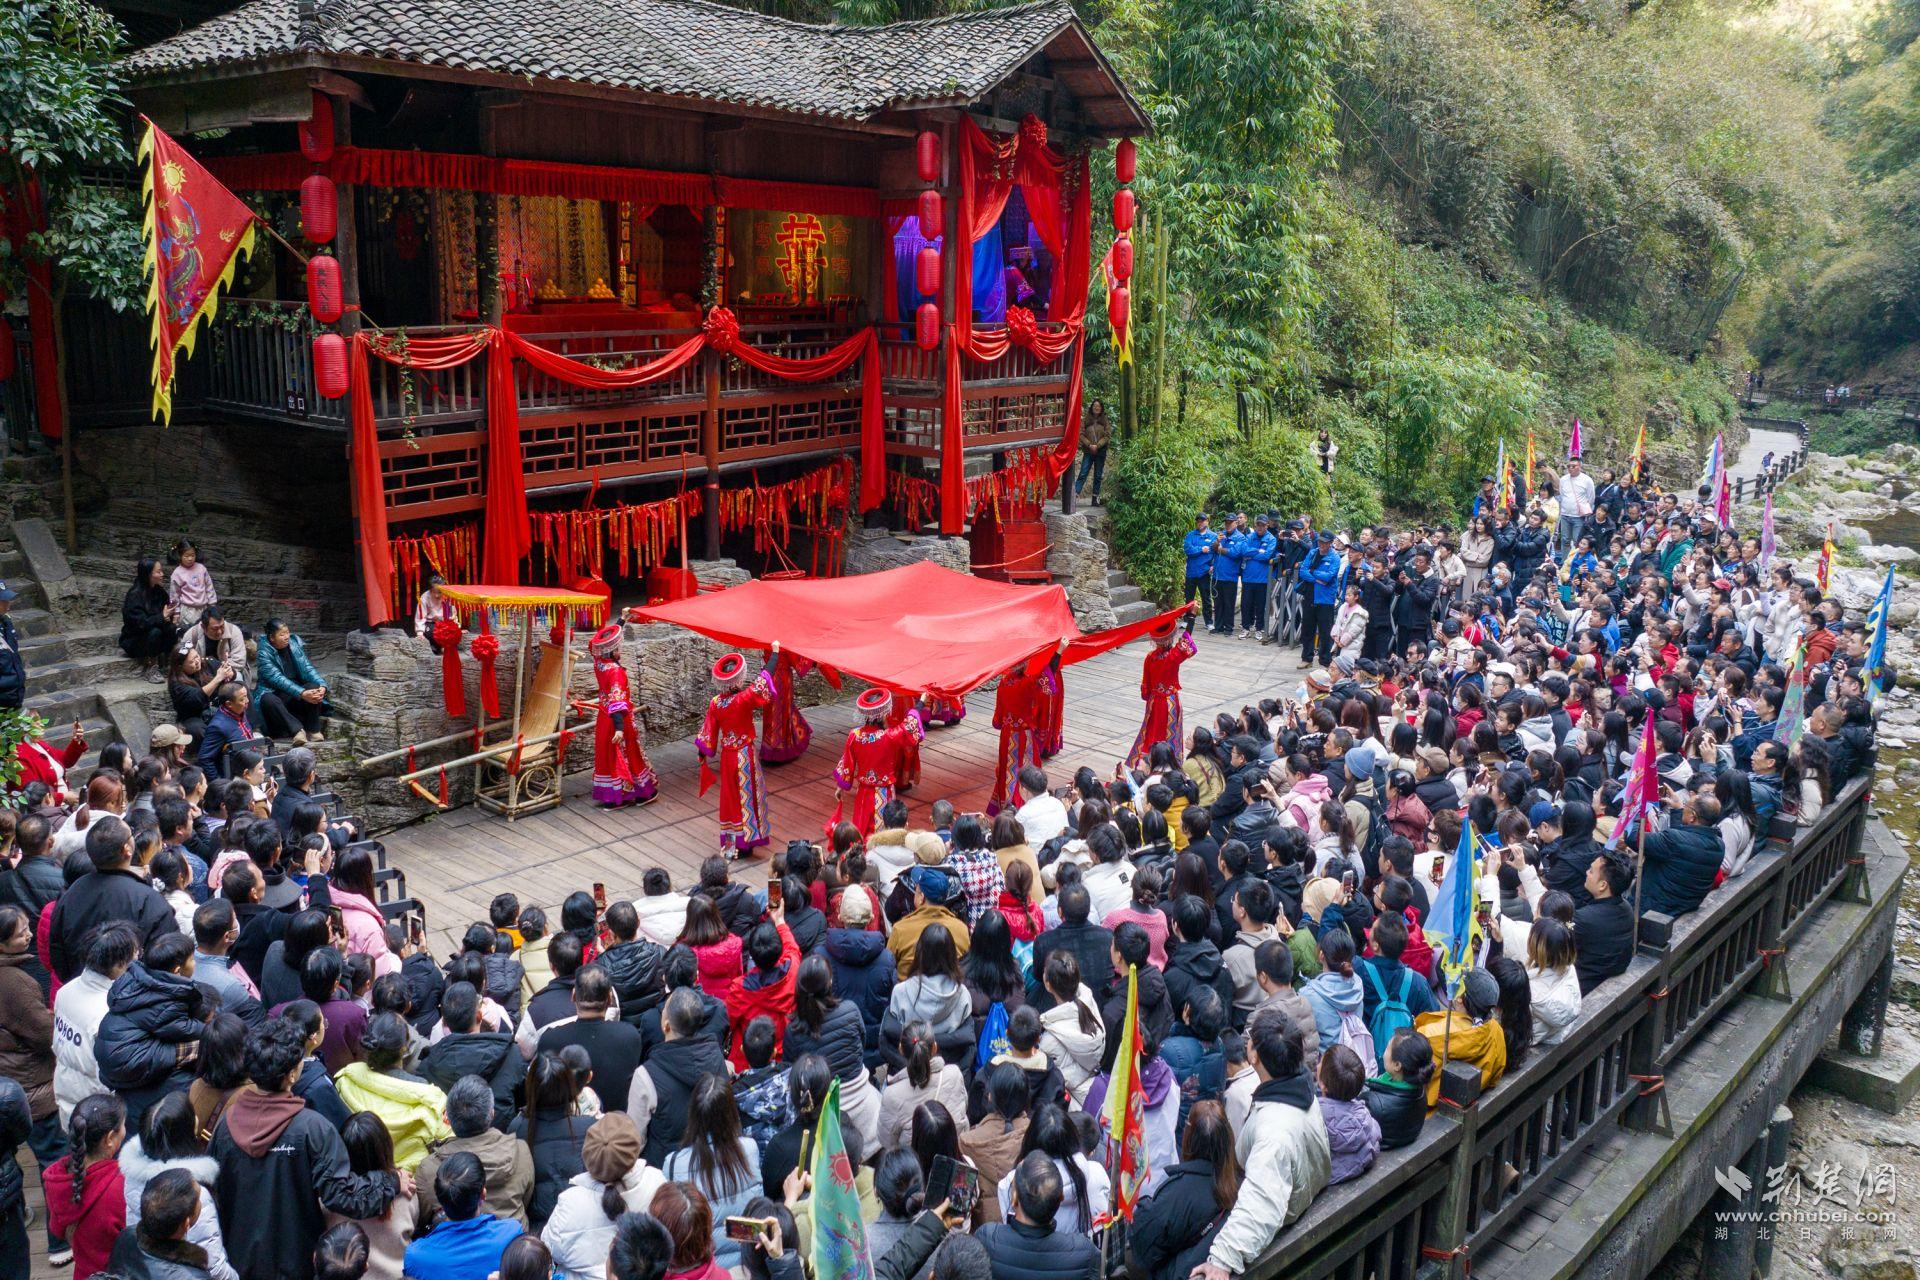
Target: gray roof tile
682 48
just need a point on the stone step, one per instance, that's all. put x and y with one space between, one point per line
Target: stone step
1139 609
125 541
1124 595
302 604
12 564
32 620
50 645
1118 578
79 673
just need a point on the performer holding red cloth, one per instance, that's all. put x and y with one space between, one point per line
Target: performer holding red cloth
1160 686
938 712
871 762
784 732
39 762
621 774
1017 712
726 746
901 711
1053 708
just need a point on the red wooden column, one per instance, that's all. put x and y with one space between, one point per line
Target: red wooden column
953 247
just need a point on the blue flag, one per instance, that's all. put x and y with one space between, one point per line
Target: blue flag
1453 925
1877 649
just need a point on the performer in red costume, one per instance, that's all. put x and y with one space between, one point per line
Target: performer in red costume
784 732
39 762
726 746
1053 708
870 763
940 712
1160 686
621 774
903 711
1017 715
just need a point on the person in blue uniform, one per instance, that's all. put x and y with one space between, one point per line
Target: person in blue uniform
1256 570
1319 576
1201 541
1226 573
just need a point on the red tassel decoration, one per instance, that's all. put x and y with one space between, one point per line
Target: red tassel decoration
453 687
513 761
486 647
445 796
560 745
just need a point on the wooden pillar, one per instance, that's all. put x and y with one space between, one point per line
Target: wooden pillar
952 249
486 219
346 241
710 446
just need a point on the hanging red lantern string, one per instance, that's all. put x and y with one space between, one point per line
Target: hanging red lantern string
453 688
486 648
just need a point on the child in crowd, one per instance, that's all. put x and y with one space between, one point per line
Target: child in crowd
1397 1097
190 588
575 1058
1353 1135
504 912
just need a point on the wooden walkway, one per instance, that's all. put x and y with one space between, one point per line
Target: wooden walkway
458 862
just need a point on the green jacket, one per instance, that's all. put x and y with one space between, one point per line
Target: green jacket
286 672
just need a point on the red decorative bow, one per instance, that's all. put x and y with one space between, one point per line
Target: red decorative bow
1022 326
486 647
722 329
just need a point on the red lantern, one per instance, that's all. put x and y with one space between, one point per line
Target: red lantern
926 155
330 365
319 208
926 326
926 271
1125 159
316 134
9 358
932 215
1119 307
323 288
1122 260
1123 210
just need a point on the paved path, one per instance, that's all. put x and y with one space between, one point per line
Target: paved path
1760 442
457 863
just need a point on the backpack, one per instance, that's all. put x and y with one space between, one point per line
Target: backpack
1376 834
993 1036
1390 1014
1354 1034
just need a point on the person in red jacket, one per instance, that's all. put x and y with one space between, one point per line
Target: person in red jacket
39 762
766 989
86 1195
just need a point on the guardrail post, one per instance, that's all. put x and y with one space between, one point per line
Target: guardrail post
1773 984
1649 1111
1865 1022
1459 1092
1853 886
1779 1135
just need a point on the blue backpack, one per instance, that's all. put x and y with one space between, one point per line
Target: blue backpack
1390 1014
993 1036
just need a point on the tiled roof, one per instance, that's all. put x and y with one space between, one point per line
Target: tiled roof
681 48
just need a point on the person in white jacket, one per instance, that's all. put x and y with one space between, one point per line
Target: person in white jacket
169 1139
662 908
616 1181
1072 1033
1553 985
78 1010
1350 626
1284 1149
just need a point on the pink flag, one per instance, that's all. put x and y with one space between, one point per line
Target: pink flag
1573 441
1642 789
1723 500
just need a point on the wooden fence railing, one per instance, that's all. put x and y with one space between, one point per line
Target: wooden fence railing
1426 1208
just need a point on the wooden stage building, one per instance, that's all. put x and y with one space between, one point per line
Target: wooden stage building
457 862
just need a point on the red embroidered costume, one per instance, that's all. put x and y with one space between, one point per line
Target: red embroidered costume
726 747
1053 705
1160 686
1016 714
784 732
871 762
903 711
621 774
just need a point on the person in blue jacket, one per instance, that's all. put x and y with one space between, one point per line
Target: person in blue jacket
1201 541
1256 570
1226 573
1319 575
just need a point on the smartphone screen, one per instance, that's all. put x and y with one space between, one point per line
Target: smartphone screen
958 1184
773 893
746 1230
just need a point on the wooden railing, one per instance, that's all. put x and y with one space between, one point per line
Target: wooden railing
614 350
262 365
1454 1191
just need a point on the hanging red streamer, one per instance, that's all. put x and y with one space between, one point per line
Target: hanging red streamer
453 687
486 648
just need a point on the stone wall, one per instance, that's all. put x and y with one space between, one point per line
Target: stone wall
1078 561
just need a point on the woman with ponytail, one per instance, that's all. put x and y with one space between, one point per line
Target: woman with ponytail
370 1150
790 1154
1084 1183
1144 910
86 1196
928 1078
615 1181
1335 991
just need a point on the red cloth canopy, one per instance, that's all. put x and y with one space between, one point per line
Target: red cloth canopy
920 628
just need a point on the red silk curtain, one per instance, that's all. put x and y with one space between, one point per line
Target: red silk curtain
1054 187
508 533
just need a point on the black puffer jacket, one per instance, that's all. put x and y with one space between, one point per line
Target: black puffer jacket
556 1141
1190 966
863 974
31 885
1022 1252
1178 1215
491 1055
1157 1013
634 969
149 1014
841 1039
105 897
16 1121
714 1025
738 907
675 1068
1400 1110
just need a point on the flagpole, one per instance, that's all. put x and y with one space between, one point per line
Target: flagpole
1639 869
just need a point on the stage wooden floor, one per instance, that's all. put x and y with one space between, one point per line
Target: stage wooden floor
456 863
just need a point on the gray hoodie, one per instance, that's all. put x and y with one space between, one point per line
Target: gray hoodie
1332 994
931 998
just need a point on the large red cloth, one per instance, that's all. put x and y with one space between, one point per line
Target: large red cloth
920 628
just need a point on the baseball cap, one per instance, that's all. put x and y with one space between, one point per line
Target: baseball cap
167 735
930 881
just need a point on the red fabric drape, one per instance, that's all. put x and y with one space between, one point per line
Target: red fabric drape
1054 187
369 494
580 374
441 170
507 533
25 214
